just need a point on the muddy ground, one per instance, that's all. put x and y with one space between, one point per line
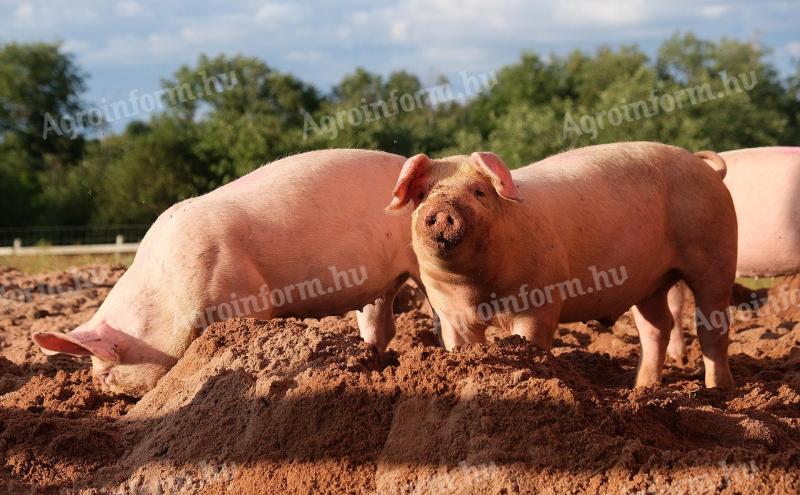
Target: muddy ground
305 407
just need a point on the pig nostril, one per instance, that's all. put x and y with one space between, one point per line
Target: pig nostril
449 220
430 220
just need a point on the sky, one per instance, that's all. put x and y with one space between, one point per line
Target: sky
131 44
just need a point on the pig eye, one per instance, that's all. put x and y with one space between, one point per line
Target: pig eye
420 196
479 193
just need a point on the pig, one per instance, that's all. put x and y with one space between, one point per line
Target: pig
305 236
582 235
765 186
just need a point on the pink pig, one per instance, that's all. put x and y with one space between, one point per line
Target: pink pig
581 235
305 236
765 187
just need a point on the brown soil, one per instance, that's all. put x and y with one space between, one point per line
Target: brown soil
306 407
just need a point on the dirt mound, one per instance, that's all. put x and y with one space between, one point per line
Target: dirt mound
783 299
55 301
14 284
55 428
292 406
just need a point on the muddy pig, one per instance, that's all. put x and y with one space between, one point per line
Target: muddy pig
582 235
765 186
305 236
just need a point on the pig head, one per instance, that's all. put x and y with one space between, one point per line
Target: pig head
459 201
126 340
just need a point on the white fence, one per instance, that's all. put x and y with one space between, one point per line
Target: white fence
71 239
119 247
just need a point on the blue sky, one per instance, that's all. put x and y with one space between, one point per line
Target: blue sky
131 44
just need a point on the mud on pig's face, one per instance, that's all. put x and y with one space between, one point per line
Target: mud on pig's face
456 200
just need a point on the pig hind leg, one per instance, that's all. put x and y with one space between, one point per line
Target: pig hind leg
712 319
654 323
677 347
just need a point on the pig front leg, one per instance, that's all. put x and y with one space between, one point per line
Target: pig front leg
376 320
457 329
538 327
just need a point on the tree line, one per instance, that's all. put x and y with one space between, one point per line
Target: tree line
226 115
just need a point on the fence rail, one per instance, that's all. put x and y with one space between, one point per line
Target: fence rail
119 247
72 235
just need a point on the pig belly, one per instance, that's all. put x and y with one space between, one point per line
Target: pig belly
323 296
600 301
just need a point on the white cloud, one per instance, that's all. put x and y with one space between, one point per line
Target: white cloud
463 56
344 32
136 50
212 33
452 25
715 11
76 46
129 8
324 41
793 49
44 18
304 56
360 18
276 13
24 11
609 13
185 37
399 31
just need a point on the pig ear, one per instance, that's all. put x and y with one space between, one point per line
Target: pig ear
492 166
410 171
98 342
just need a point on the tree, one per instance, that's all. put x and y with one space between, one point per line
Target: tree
138 175
40 135
246 113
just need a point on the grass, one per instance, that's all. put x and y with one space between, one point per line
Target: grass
33 265
756 283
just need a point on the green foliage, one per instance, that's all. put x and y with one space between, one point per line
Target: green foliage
395 115
227 115
37 81
139 175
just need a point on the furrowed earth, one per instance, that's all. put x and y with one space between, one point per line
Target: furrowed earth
304 406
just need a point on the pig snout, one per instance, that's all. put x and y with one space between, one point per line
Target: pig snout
442 225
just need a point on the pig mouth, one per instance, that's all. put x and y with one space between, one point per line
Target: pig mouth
443 228
445 244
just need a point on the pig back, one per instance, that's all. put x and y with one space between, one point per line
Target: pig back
318 214
631 206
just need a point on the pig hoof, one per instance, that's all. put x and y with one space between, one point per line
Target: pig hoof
722 381
678 355
680 360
